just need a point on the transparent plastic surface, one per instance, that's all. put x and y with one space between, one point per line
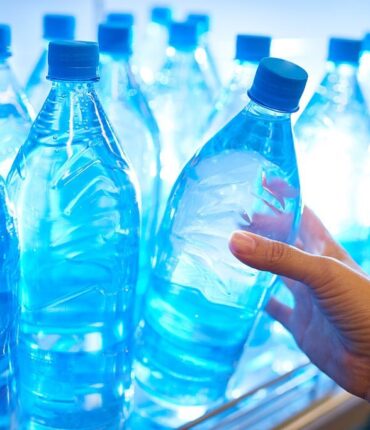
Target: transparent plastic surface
151 57
9 259
78 225
16 117
333 136
208 65
38 87
202 302
232 99
138 134
181 102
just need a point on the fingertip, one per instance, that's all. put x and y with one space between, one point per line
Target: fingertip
242 243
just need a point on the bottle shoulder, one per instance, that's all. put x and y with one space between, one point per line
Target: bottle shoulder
338 95
13 101
72 134
38 73
181 72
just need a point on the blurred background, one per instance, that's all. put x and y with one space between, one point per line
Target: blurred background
300 28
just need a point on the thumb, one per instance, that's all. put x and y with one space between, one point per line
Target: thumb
284 260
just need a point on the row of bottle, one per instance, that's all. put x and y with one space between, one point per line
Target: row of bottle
78 228
182 84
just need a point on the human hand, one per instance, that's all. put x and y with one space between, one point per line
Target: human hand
331 317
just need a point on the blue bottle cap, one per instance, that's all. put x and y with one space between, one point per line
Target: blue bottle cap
278 85
252 48
161 15
121 18
73 61
202 20
59 27
115 38
366 42
344 50
5 40
183 36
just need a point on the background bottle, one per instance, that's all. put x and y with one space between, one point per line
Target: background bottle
364 69
78 256
137 131
204 54
9 258
16 113
55 27
181 101
123 18
202 303
250 49
333 136
152 54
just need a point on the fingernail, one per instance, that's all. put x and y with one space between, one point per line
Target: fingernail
242 243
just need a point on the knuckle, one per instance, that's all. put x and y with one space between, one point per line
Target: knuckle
330 267
275 252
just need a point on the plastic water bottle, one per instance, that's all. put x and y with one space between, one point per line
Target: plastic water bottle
334 142
364 70
204 54
202 302
55 27
78 225
153 53
9 257
135 127
249 51
181 101
16 113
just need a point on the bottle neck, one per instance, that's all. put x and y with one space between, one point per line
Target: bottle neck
268 132
243 73
341 73
340 83
181 55
74 88
69 107
117 76
4 64
203 39
266 113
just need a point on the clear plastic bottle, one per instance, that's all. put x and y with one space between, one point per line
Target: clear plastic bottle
181 101
16 113
78 225
153 52
202 303
333 136
250 49
364 69
9 259
204 54
55 27
136 129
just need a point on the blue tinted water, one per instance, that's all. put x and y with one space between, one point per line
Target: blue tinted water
78 225
16 117
333 135
202 302
8 309
138 133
